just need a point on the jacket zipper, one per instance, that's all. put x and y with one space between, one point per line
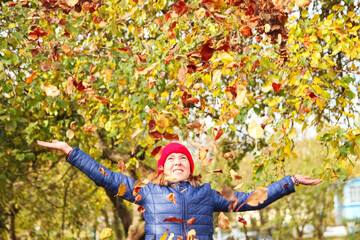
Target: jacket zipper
183 210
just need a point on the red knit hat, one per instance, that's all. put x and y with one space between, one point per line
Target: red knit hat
174 148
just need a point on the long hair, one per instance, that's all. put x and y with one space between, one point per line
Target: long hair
161 179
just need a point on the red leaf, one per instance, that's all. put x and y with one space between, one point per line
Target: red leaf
156 150
152 125
168 18
37 33
156 134
141 209
242 220
312 95
224 47
192 100
121 166
171 137
138 198
102 99
216 171
180 8
136 191
168 59
258 96
276 87
206 52
285 185
173 219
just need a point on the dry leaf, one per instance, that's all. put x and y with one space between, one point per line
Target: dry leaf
141 209
228 155
121 166
254 130
207 161
238 186
223 221
202 153
102 171
138 198
107 74
136 191
136 133
72 125
191 234
51 91
234 175
122 190
190 221
66 49
219 134
171 137
240 95
257 197
164 236
171 198
173 219
285 185
242 220
182 74
106 233
30 79
228 193
90 128
196 124
302 3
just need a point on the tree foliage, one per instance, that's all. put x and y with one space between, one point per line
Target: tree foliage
120 78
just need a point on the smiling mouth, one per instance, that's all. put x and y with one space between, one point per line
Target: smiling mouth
178 171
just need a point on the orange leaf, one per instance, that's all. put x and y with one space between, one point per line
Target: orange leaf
66 49
285 185
141 209
257 197
171 137
138 198
246 31
171 198
122 190
121 166
192 100
202 153
102 171
195 124
173 219
219 134
223 221
30 79
191 221
156 134
234 175
156 151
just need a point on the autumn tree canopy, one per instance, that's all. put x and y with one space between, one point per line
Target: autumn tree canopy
121 78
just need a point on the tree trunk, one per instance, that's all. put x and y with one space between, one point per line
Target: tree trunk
12 215
137 227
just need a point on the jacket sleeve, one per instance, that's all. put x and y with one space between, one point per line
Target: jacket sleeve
276 190
112 181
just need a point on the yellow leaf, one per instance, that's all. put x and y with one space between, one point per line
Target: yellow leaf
106 233
122 190
51 91
164 236
254 130
257 197
107 74
302 3
241 95
216 78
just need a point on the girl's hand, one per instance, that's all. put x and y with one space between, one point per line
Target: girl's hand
306 180
54 144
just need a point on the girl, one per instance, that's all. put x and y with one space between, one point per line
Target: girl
174 201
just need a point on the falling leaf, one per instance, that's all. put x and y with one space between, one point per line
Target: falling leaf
156 135
257 197
51 91
141 209
89 128
246 31
122 190
216 171
164 236
182 74
156 150
219 133
106 233
206 52
171 137
254 130
302 3
285 185
136 191
180 8
102 171
207 161
173 219
136 133
223 221
195 124
138 198
240 95
234 175
171 198
121 166
190 221
191 234
238 186
72 125
152 125
66 49
228 193
276 87
192 100
31 78
72 3
202 153
242 220
228 155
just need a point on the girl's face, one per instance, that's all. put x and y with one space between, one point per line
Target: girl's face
177 167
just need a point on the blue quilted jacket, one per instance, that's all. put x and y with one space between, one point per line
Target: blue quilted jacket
191 202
